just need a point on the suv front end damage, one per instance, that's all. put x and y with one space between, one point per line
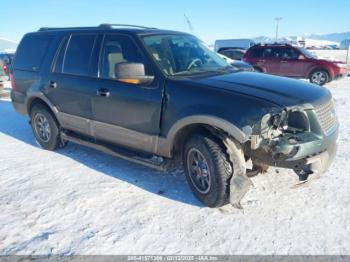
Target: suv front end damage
302 138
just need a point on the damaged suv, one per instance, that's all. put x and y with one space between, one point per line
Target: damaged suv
160 97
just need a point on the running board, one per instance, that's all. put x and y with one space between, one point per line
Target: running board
157 163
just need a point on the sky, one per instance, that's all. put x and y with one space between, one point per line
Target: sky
210 19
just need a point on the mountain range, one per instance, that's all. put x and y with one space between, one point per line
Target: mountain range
334 37
7 44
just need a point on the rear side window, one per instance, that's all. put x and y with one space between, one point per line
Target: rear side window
31 52
75 55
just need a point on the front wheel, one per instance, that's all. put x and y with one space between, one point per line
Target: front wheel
208 169
319 77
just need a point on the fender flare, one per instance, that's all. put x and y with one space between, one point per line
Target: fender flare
39 95
165 145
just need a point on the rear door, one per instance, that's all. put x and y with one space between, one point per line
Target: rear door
70 85
271 60
124 113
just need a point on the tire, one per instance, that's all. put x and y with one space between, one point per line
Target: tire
319 77
216 169
45 128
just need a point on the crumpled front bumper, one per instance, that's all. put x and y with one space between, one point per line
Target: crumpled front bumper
319 164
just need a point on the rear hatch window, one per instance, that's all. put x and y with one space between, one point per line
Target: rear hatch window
31 52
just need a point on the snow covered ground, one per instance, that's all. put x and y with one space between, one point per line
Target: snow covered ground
80 201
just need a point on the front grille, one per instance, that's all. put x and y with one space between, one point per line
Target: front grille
326 116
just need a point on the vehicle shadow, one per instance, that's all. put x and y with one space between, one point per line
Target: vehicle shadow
168 185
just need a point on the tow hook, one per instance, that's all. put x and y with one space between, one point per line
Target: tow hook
240 183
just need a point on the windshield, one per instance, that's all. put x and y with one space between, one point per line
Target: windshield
307 53
183 55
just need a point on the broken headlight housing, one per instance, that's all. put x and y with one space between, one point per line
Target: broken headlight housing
298 122
292 121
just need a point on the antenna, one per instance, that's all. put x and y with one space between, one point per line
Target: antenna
188 22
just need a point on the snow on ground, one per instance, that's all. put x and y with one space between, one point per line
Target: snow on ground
80 201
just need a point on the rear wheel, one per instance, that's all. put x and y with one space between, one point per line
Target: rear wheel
208 169
319 77
258 70
45 127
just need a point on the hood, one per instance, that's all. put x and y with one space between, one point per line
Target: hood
281 91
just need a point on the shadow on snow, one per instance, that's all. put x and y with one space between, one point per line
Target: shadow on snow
169 185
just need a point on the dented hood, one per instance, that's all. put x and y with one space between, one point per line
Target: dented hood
281 91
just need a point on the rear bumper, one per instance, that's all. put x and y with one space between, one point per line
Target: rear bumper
18 102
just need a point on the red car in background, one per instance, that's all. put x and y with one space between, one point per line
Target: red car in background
292 61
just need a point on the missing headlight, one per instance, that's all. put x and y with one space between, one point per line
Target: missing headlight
298 121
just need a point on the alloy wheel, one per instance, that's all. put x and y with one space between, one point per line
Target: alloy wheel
198 169
42 127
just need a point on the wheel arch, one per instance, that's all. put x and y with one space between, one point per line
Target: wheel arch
321 68
258 69
183 128
42 100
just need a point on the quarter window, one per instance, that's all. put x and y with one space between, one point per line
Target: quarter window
256 52
31 52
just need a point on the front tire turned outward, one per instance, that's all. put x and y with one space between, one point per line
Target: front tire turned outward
45 127
208 169
319 77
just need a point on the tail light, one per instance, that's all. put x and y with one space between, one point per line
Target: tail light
5 68
13 83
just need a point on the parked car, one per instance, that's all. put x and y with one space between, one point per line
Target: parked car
5 61
233 44
240 65
156 97
292 61
233 53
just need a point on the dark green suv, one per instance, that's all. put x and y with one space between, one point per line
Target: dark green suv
155 96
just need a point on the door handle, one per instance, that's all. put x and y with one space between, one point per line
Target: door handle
284 62
53 84
261 60
103 92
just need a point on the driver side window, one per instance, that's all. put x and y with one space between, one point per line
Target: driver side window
119 49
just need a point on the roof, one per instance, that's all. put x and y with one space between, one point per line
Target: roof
272 44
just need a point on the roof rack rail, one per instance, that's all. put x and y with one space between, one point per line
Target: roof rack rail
60 28
108 26
124 25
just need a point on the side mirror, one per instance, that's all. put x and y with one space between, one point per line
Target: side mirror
301 57
132 73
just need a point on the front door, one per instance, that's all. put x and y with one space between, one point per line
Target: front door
125 113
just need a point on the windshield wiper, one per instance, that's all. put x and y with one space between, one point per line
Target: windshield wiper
202 71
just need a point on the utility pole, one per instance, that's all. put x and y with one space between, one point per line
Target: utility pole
347 54
277 19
